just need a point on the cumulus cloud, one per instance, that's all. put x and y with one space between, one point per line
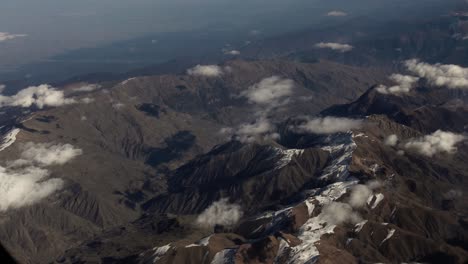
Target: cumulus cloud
337 213
39 96
220 213
269 90
261 129
361 193
334 46
329 125
232 52
24 187
45 154
25 181
391 140
450 76
87 100
86 88
404 84
336 13
4 36
2 88
437 142
206 70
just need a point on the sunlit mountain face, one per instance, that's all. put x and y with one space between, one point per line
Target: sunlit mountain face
233 131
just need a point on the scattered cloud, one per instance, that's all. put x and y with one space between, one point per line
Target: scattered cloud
45 154
336 213
453 194
87 88
220 213
450 76
404 84
437 142
40 96
269 90
2 88
329 125
87 100
337 13
24 187
334 46
391 140
232 52
206 70
261 129
25 181
118 105
360 193
4 36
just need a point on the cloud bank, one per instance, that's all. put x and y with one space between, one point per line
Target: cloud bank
220 213
334 46
40 96
451 76
437 142
329 125
4 36
206 70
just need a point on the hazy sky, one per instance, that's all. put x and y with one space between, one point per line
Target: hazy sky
54 26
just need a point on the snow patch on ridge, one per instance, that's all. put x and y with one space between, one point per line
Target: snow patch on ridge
287 156
224 257
374 200
391 232
311 232
9 139
160 252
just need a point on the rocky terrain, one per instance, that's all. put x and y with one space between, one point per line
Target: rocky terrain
286 154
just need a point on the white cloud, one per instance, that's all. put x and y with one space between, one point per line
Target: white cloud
220 213
451 76
329 125
269 90
404 84
24 187
45 154
261 129
232 52
87 100
118 105
40 96
437 142
24 181
336 213
206 70
4 36
337 13
2 88
86 88
361 193
391 140
334 46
